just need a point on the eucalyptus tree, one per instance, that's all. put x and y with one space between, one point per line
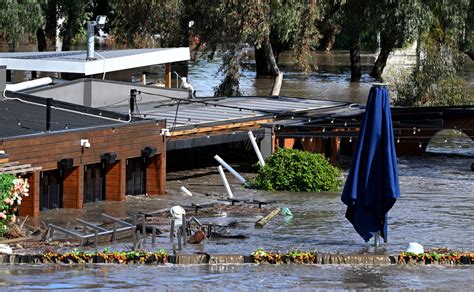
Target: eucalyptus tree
19 19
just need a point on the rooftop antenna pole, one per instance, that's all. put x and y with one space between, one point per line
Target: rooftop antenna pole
100 23
48 114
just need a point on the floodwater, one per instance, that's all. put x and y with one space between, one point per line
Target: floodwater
436 210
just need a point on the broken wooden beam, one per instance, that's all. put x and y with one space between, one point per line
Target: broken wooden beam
260 223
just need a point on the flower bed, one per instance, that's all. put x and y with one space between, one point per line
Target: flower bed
301 257
12 190
131 257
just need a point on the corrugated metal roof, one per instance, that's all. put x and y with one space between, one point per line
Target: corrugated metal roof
199 112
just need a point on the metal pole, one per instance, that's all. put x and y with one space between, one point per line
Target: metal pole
172 230
231 170
377 239
253 140
48 114
90 40
226 183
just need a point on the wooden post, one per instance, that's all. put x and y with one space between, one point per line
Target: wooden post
183 228
114 233
144 228
260 223
96 238
168 75
153 235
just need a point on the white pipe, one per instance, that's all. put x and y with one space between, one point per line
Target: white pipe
185 191
226 183
29 84
230 169
257 150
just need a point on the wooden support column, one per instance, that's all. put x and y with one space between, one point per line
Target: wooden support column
168 75
156 175
73 188
113 179
30 205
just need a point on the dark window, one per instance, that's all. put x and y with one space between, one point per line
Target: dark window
94 183
136 176
51 190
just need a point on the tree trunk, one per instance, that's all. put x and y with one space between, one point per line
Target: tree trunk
470 54
51 15
380 64
265 60
71 26
356 72
386 46
41 38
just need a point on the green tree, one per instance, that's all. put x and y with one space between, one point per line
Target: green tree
434 80
19 19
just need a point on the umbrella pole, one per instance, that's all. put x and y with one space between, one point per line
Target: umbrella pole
377 239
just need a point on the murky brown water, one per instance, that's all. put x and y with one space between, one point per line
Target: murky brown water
435 210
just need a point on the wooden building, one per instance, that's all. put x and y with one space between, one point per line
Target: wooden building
79 154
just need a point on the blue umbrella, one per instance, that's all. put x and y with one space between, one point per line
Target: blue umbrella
372 186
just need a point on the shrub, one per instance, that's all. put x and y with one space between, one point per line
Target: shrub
11 192
298 171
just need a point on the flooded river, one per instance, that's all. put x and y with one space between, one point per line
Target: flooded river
436 210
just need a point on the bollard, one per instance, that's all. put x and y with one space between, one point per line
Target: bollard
153 235
226 183
257 150
114 233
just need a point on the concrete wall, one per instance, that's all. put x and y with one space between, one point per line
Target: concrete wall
100 93
73 93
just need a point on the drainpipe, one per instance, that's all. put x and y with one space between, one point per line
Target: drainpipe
90 40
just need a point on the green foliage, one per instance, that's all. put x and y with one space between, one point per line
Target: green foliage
19 19
295 170
6 183
434 81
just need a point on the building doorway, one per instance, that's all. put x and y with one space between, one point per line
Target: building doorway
51 190
136 176
94 183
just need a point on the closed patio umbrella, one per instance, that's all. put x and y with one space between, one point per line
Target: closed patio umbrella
372 186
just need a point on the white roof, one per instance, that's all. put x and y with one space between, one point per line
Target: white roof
107 61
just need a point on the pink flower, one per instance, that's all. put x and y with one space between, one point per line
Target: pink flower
12 219
2 215
8 201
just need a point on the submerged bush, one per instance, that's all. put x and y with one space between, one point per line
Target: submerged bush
298 171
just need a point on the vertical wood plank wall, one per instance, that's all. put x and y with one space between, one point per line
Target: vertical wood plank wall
126 140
